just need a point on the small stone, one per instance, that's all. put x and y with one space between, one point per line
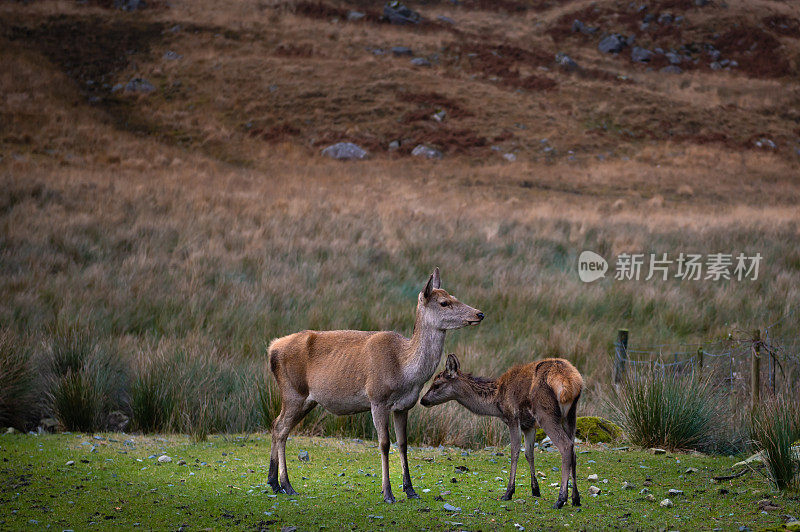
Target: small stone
303 456
593 476
420 62
446 20
354 16
641 55
594 490
11 430
394 145
691 470
136 86
566 62
450 508
510 157
674 493
671 69
399 51
164 459
345 151
427 152
666 503
644 491
627 486
396 13
439 115
650 497
181 462
613 44
70 462
673 58
169 55
656 450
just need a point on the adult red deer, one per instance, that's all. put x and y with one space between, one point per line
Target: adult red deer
543 393
347 372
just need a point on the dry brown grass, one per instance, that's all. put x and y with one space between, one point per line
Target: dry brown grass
204 211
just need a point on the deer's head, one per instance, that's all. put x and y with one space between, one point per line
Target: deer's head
439 310
447 385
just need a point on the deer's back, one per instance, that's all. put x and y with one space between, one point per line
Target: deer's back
551 382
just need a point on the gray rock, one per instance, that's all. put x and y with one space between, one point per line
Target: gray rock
656 450
613 44
169 55
394 145
130 5
303 456
593 476
577 26
674 493
673 58
398 51
164 459
70 462
354 16
446 20
397 13
644 491
510 157
715 66
594 490
665 18
566 62
666 503
425 151
343 151
136 86
627 486
671 69
641 55
450 508
691 470
420 62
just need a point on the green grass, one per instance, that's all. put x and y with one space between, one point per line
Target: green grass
120 485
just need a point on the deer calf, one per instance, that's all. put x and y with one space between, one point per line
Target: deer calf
543 393
347 372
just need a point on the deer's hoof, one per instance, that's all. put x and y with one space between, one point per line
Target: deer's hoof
576 502
536 493
559 504
275 487
388 498
411 494
289 490
506 497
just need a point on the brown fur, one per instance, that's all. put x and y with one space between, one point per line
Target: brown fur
347 372
543 393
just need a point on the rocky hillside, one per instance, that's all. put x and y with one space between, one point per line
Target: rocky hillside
537 80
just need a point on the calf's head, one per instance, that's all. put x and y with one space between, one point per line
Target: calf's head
447 385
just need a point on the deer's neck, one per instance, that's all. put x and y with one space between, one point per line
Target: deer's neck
424 351
481 396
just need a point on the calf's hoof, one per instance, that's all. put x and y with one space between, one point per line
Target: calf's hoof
559 504
535 492
388 498
576 502
288 489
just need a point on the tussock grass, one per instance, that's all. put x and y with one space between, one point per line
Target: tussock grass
672 411
17 385
775 430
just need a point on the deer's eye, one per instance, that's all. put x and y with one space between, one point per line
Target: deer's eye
444 303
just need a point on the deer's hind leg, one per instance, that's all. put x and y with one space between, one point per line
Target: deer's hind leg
293 409
570 423
549 418
530 442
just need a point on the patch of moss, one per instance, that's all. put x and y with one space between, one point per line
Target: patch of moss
592 429
595 429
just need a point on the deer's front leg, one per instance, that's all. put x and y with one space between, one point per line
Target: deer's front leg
400 422
515 437
380 417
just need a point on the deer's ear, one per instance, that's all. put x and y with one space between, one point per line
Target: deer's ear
452 365
437 281
426 293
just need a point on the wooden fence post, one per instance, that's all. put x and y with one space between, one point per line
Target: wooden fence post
621 355
700 358
755 370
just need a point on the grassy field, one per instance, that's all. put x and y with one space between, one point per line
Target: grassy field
200 220
116 482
